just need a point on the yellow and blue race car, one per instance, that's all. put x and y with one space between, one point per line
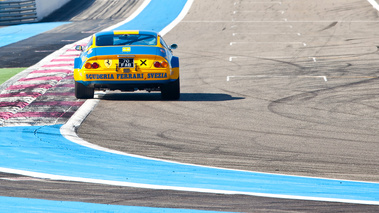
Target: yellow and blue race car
127 61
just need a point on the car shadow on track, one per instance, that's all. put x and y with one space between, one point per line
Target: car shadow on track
157 97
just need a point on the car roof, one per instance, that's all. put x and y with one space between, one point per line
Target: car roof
121 32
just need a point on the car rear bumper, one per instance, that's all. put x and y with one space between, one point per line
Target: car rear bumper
127 85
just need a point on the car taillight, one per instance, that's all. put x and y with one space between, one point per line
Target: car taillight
158 64
94 65
88 65
164 64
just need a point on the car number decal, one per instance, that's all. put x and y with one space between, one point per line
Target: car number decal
126 49
143 62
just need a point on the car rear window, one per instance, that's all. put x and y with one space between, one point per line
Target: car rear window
126 39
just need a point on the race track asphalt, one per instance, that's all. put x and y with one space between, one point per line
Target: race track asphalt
284 87
292 93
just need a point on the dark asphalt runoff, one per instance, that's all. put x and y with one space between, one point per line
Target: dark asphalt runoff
287 87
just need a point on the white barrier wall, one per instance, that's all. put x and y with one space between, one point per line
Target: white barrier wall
46 7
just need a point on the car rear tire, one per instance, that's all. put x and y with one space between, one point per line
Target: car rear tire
171 91
83 92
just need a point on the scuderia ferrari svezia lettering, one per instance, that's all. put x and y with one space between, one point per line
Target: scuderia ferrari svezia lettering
126 76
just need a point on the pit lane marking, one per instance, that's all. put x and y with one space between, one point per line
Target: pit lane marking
231 58
235 34
229 77
374 4
254 11
261 2
263 42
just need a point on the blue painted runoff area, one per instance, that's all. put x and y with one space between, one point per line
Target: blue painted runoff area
13 34
43 149
156 16
15 205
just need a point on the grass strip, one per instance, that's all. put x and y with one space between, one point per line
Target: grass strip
7 73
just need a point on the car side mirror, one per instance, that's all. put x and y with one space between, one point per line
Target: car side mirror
173 46
79 48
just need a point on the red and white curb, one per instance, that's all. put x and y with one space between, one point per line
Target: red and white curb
44 95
